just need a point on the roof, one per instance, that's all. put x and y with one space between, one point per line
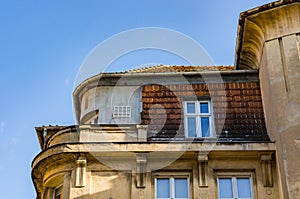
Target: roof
167 68
160 72
241 34
46 131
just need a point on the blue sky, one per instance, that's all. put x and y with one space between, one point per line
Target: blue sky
43 44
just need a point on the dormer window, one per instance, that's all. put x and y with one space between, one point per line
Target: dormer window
198 118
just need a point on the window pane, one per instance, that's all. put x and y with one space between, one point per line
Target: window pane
205 127
58 196
204 107
191 127
190 107
58 193
163 188
181 188
244 187
225 188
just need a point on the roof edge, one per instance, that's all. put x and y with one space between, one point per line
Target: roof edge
251 12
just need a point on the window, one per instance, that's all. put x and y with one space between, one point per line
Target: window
198 118
235 187
58 193
172 187
122 112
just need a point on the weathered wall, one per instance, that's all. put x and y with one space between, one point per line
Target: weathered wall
104 98
275 51
280 79
104 182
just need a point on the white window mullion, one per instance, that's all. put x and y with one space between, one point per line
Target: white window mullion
211 120
198 126
198 119
172 187
234 187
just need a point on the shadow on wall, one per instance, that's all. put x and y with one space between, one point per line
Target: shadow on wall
109 185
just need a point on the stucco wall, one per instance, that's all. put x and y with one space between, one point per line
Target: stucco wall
105 182
104 98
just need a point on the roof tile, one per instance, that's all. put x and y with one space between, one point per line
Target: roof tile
166 68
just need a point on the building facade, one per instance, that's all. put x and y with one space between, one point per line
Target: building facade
186 131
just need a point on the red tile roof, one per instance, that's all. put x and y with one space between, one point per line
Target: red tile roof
166 68
238 110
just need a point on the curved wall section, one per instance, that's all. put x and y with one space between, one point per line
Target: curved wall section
104 99
257 29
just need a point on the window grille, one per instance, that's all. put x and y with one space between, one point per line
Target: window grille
122 112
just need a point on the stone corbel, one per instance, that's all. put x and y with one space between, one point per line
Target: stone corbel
202 169
141 163
80 179
142 133
266 168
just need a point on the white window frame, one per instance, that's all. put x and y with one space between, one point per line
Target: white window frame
172 185
234 177
198 117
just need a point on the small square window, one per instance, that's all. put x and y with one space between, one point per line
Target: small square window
172 187
235 187
198 119
122 112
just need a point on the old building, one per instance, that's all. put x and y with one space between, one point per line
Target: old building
187 131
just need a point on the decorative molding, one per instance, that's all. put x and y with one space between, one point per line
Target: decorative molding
141 163
203 194
266 168
80 179
202 169
269 192
48 192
